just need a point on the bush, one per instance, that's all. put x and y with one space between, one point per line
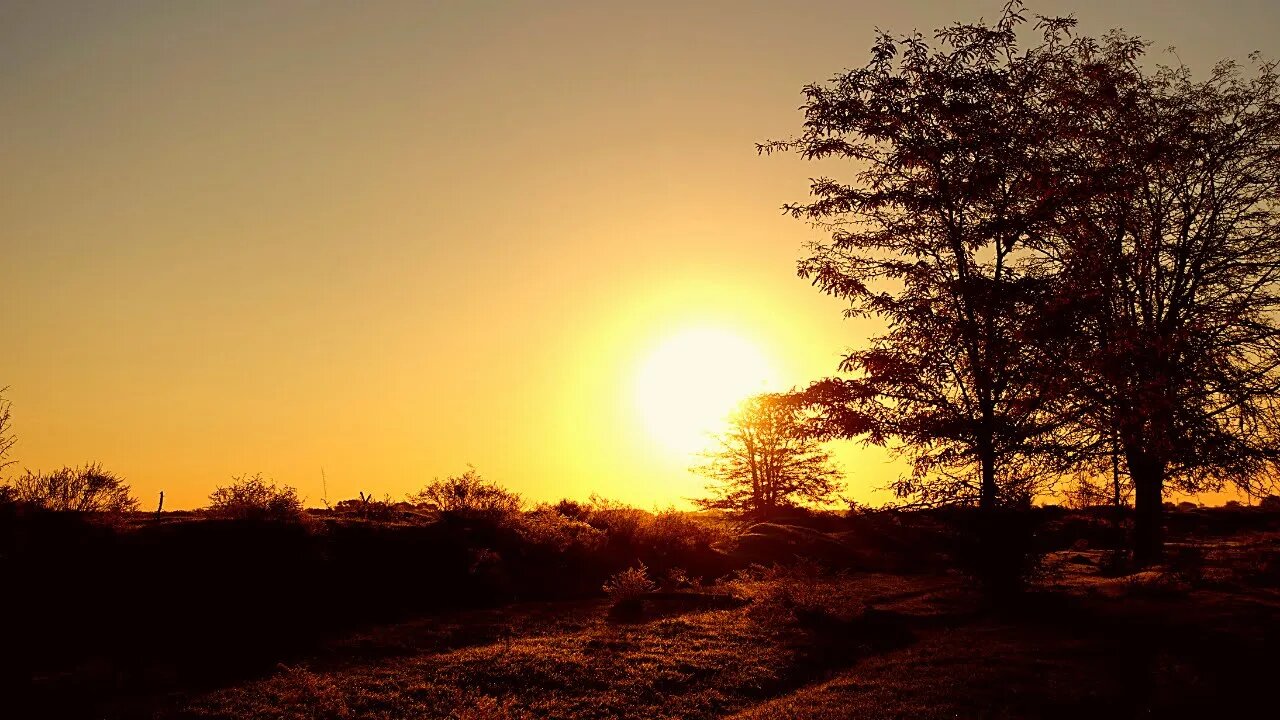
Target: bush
682 531
251 497
622 523
628 585
1001 549
1260 565
1116 563
86 489
1186 563
468 494
548 528
366 507
678 579
785 592
572 509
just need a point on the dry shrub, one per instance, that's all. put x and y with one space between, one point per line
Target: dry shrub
549 528
1259 565
572 509
1186 564
682 530
620 522
677 579
254 498
1116 562
1001 550
786 592
468 494
663 540
87 489
629 585
365 506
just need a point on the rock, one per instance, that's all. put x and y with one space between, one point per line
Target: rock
772 543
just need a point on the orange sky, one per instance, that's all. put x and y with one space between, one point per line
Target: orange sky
389 239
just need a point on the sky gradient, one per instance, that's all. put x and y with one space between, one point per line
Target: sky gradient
389 239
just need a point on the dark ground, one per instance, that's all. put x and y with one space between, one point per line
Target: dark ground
1193 638
1080 647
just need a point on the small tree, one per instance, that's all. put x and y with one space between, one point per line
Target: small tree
252 497
87 489
468 493
765 462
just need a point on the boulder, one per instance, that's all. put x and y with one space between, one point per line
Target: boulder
768 543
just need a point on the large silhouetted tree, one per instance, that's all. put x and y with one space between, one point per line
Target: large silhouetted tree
935 234
1075 255
1168 260
765 462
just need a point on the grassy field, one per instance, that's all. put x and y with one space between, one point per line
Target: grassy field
1165 643
874 632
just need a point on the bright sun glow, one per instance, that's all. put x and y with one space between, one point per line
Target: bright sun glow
689 383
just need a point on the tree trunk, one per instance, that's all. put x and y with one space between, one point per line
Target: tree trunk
987 493
1148 505
1117 500
987 453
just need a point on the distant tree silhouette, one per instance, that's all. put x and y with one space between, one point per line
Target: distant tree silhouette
7 439
1088 491
468 493
766 462
936 235
1167 257
86 489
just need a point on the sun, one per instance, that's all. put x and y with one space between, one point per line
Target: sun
687 385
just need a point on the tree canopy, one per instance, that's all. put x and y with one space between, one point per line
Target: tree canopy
935 234
1075 256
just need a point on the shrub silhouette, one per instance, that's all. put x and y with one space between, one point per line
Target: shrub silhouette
86 489
252 497
628 585
1000 549
367 507
546 527
468 494
572 509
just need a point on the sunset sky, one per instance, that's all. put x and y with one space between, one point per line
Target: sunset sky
389 239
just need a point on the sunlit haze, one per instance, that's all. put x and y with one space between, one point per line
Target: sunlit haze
691 381
387 240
